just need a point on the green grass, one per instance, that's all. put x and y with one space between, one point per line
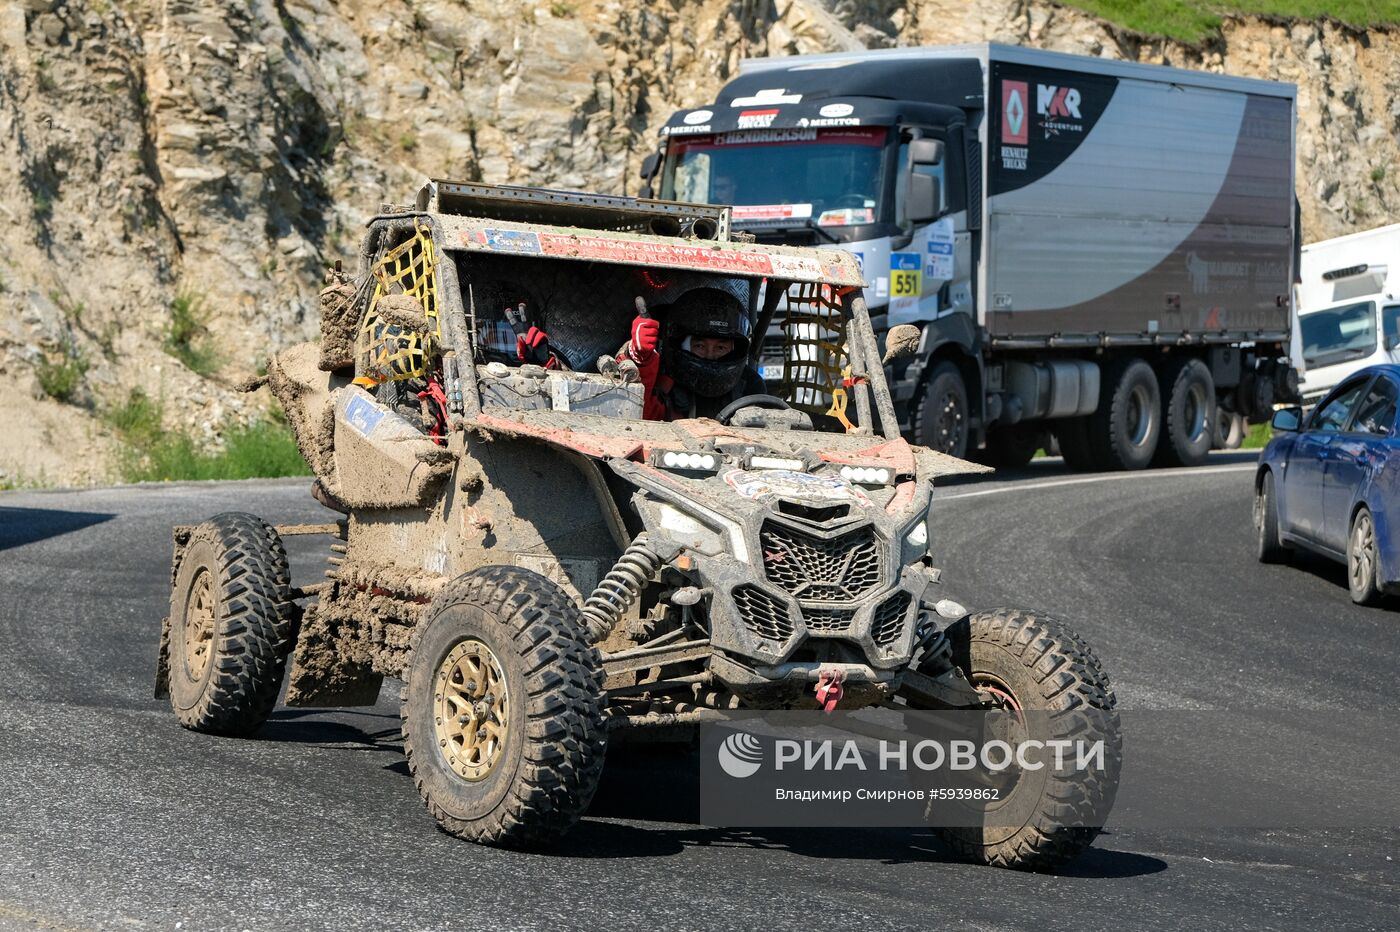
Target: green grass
264 448
1258 437
187 337
61 375
1194 20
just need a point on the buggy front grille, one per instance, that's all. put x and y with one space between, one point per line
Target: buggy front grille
828 620
762 613
817 569
888 623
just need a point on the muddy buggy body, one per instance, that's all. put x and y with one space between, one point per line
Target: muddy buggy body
543 568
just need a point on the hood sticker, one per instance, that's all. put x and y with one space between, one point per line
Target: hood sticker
761 485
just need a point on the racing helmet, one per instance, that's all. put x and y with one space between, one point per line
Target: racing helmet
706 312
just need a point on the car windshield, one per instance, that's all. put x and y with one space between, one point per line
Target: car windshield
1338 334
830 177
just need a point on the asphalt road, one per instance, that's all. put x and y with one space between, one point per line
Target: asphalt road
111 816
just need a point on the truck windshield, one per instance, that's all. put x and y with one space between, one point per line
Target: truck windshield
1338 334
833 177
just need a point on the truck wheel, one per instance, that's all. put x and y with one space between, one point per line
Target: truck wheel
1011 447
942 420
503 710
1072 435
1022 661
230 627
1188 413
1268 547
1124 430
1363 570
1229 429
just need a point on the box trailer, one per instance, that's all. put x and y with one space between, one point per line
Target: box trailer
1100 249
1348 308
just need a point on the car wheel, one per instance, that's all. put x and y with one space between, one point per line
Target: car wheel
1268 546
1362 569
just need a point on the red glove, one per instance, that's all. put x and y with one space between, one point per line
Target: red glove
534 348
646 334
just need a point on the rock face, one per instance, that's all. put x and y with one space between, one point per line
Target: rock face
152 149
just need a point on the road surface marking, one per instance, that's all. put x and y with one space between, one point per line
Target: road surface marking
1110 477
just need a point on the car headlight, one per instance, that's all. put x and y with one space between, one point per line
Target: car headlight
866 475
695 535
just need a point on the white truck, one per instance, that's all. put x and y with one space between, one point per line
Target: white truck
1100 249
1348 308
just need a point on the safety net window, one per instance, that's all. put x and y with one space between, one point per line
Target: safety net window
816 366
387 350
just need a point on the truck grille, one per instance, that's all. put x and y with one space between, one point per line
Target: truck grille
828 620
762 614
817 569
888 623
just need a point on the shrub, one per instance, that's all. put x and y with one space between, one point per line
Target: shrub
187 337
61 375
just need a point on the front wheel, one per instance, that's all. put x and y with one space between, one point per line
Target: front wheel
503 710
942 422
1268 546
1363 576
1034 666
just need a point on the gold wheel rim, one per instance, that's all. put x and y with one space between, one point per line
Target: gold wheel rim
471 705
199 627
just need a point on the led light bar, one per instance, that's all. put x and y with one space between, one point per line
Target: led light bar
866 475
695 462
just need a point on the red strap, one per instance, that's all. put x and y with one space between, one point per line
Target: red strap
829 688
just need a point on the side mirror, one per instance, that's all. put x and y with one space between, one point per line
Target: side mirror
925 152
1286 420
921 198
649 166
901 342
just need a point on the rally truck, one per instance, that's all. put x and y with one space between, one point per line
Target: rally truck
543 568
1098 250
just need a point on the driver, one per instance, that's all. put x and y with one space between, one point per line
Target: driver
701 361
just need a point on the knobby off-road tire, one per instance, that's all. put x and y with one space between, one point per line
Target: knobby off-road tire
1051 673
941 422
1125 430
520 764
1268 546
1363 567
1188 413
230 625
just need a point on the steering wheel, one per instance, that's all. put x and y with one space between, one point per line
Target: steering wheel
771 402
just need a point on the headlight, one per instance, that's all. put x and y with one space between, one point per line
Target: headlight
679 459
694 535
760 461
918 537
866 475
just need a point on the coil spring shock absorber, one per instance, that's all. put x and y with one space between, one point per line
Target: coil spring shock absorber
620 588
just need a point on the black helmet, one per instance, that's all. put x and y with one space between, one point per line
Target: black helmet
706 312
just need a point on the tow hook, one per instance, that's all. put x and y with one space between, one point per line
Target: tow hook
829 689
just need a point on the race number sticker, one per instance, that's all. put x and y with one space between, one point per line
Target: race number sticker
906 275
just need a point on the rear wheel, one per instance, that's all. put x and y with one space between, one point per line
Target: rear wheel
942 420
1230 429
1363 576
1124 430
503 710
1268 546
1025 662
1011 447
230 626
1188 413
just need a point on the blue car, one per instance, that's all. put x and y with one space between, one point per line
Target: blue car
1328 482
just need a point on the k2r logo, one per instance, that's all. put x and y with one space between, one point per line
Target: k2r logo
1056 105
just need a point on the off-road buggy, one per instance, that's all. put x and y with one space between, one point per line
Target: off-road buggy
541 567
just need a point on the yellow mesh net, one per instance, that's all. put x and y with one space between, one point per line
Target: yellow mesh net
815 362
388 352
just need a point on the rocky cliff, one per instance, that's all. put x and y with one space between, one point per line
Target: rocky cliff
212 157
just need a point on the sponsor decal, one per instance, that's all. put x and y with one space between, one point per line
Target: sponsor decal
772 212
647 253
829 121
836 110
363 414
1058 108
685 130
1219 277
757 119
517 241
940 249
697 116
882 286
846 216
794 266
768 97
1015 131
772 135
764 484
